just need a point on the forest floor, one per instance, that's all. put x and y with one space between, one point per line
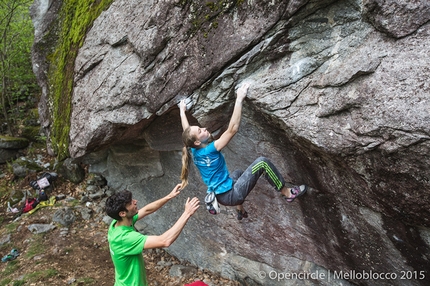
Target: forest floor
77 255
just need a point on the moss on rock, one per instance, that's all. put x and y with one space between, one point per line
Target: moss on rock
75 18
203 15
31 133
8 142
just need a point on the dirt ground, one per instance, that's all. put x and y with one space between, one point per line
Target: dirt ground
77 256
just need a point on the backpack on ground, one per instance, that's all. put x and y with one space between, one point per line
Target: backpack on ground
30 203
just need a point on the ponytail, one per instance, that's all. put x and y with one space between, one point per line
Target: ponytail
185 166
188 141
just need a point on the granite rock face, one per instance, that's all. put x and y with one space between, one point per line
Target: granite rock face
339 100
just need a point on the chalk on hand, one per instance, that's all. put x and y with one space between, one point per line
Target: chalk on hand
188 102
248 82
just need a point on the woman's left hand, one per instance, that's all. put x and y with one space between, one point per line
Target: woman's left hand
182 105
242 91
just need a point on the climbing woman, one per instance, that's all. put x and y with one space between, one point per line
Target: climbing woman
229 189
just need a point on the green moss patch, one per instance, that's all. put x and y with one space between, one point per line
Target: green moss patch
75 19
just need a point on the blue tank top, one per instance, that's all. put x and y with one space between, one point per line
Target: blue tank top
213 169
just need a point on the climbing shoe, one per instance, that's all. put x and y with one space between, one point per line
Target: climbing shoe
296 192
241 214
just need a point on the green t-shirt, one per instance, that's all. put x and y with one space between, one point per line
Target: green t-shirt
126 246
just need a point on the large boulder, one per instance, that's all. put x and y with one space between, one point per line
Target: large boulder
339 100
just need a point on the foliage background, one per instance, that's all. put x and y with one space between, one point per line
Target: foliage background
18 83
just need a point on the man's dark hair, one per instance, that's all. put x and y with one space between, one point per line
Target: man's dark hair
117 203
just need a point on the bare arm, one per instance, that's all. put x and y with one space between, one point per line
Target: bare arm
233 126
167 238
152 207
184 119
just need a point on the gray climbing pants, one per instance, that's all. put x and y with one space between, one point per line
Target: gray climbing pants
244 181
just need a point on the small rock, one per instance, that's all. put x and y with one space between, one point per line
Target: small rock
5 239
180 270
40 228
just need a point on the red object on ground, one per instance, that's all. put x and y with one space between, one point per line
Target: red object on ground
197 283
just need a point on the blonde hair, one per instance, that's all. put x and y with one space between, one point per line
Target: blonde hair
188 141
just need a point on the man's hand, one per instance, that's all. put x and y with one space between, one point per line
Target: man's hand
191 206
167 238
242 91
176 191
